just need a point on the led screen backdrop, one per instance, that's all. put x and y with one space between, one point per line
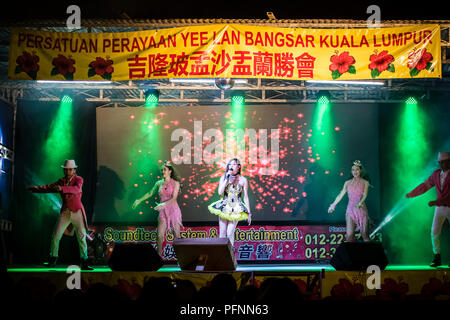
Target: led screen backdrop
296 158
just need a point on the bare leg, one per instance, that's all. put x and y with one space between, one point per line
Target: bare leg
176 230
223 228
161 235
230 230
350 235
364 232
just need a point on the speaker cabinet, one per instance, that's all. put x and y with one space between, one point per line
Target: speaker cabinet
134 257
359 255
205 254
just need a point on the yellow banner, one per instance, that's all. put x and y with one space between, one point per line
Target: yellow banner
228 51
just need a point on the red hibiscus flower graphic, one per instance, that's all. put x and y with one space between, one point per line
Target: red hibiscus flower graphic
419 60
63 66
342 63
129 290
346 290
306 291
381 62
28 63
101 67
391 290
435 287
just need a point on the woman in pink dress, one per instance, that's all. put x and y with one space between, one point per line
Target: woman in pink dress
169 211
356 213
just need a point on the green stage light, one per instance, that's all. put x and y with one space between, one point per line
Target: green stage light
237 99
323 100
144 152
237 124
237 110
323 97
411 100
66 99
322 110
60 142
410 156
323 134
151 97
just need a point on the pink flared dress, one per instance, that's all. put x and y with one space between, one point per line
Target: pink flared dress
171 214
355 191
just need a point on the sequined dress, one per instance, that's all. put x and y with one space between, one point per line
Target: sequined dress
171 213
355 191
230 207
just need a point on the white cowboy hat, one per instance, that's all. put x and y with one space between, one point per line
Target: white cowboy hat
443 156
69 164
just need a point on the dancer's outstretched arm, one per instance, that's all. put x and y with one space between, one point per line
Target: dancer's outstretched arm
146 196
338 198
49 188
421 188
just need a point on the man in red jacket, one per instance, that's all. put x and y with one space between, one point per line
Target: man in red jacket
441 180
72 215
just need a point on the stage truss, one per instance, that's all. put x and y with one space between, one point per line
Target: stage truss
257 91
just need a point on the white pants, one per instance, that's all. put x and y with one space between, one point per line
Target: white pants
440 214
66 218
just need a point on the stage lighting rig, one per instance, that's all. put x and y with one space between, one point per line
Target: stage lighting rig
224 83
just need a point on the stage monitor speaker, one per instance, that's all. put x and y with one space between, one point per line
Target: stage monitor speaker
205 254
134 257
358 256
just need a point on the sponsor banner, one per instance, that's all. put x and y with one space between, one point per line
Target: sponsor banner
252 243
228 51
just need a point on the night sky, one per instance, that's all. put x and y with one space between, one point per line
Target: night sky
213 9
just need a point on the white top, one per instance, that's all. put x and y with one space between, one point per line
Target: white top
443 175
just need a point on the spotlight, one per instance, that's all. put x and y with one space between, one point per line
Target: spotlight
411 100
323 97
66 99
414 96
151 97
237 98
224 83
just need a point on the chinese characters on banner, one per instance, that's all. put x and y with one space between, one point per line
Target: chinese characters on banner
228 51
247 64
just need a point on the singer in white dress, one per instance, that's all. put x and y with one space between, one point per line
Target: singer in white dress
230 209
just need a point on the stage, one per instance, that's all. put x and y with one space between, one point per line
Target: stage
314 281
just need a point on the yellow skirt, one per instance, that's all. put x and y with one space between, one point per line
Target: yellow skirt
217 208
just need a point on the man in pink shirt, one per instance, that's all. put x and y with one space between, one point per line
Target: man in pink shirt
441 180
72 215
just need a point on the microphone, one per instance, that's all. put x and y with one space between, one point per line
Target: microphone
228 174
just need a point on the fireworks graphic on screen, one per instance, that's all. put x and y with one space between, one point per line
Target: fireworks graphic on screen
302 151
